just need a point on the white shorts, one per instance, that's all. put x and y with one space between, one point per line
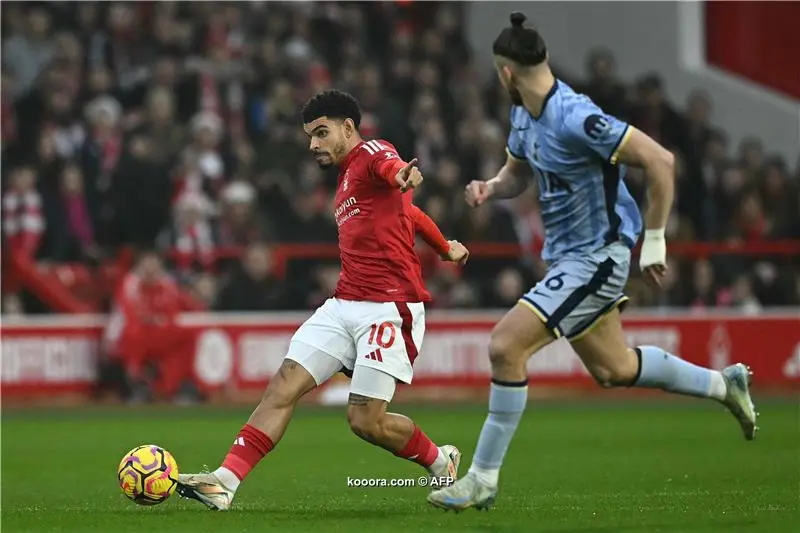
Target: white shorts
383 336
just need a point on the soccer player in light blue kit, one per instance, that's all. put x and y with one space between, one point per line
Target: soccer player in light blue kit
577 155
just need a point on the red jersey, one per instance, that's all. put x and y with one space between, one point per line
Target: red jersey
376 229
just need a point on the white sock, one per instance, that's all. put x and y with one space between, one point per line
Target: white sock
439 466
486 476
718 389
227 478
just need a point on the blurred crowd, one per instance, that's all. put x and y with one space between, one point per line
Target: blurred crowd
175 126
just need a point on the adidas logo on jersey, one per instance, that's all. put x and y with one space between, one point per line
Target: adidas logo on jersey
375 356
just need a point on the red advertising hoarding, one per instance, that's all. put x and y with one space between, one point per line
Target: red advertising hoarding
241 352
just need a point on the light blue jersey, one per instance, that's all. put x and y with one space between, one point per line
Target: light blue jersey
591 221
572 148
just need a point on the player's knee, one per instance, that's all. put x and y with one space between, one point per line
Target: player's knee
620 373
286 387
503 350
365 427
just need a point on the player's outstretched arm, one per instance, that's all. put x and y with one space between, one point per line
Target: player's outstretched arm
396 172
641 151
512 180
448 250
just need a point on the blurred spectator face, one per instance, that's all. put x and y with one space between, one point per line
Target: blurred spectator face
775 179
87 15
164 28
509 285
141 147
240 212
402 70
601 66
436 208
68 48
60 104
72 181
100 80
206 137
269 53
716 149
481 217
24 179
39 23
104 113
165 72
428 76
150 268
433 132
751 208
752 153
469 134
433 44
671 277
121 18
447 20
257 262
703 276
732 180
189 210
327 277
402 43
699 108
161 106
448 172
47 148
742 289
12 305
204 289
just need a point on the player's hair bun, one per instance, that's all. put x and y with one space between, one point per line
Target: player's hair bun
517 19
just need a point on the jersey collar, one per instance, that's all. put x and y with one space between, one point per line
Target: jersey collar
547 97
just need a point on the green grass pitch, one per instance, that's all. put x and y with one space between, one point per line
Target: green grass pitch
640 467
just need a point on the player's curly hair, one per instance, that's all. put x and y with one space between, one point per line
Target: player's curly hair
332 104
520 44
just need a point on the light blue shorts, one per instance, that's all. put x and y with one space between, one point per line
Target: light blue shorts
578 290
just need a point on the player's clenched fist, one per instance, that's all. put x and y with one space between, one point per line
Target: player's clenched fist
409 177
477 193
458 253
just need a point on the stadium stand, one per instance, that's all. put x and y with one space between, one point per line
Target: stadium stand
176 126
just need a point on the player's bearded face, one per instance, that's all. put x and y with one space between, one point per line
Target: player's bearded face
509 82
327 143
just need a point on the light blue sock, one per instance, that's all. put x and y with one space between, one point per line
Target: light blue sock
659 369
506 404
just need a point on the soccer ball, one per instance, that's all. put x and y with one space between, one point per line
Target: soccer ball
148 474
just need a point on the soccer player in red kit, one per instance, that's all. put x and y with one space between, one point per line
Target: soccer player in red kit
372 327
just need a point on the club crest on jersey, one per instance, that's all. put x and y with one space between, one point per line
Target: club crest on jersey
595 126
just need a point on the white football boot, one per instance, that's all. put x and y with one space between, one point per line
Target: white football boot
737 398
465 493
450 470
205 488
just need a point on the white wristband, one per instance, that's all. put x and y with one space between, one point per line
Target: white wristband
655 233
654 249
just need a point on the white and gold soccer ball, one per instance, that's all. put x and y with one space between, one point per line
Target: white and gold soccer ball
148 474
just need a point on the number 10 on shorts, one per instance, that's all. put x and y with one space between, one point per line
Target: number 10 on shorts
381 335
